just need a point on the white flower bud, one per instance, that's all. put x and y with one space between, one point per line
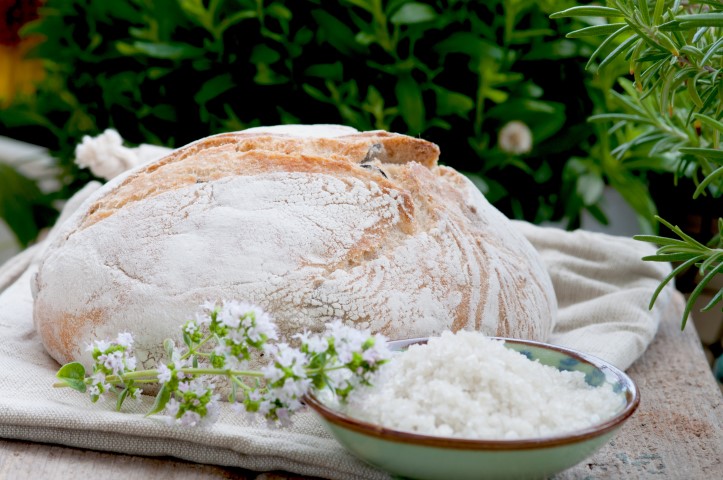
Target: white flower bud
515 137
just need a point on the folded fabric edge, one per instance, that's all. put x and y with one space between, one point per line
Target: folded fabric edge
13 268
114 442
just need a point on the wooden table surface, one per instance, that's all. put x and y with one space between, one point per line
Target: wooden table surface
677 433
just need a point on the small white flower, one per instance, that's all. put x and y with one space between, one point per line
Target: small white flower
113 361
164 373
125 339
314 343
208 306
130 363
94 391
229 319
213 411
515 137
291 357
232 312
202 318
98 378
191 328
102 345
172 408
222 350
283 417
265 407
377 352
272 373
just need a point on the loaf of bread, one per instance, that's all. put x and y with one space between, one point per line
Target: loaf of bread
311 223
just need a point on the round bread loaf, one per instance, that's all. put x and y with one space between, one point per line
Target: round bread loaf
311 223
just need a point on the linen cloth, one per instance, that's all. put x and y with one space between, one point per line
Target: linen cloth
602 288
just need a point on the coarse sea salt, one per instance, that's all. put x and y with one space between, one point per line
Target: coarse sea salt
467 385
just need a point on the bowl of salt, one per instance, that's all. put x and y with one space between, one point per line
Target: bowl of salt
467 406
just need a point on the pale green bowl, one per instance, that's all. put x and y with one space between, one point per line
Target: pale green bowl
437 458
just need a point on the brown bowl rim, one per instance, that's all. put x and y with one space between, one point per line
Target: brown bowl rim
632 396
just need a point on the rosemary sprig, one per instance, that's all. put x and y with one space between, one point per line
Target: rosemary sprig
690 252
672 109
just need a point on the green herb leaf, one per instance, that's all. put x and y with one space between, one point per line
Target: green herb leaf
168 51
411 105
169 346
588 11
709 121
716 298
213 88
715 175
73 374
698 290
618 50
411 13
121 398
452 103
596 30
709 153
164 395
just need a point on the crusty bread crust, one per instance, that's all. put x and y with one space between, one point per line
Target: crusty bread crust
272 153
363 227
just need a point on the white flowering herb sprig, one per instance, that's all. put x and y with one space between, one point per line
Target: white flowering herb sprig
219 343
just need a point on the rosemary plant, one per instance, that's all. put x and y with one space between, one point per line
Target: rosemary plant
671 110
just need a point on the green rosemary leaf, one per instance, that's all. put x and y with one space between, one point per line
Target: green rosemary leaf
684 247
644 12
697 291
693 92
716 298
680 268
605 117
710 261
618 50
692 51
710 19
671 257
709 121
659 240
709 153
658 12
646 37
667 43
699 34
595 30
715 174
604 44
626 100
709 97
670 26
676 229
590 11
710 51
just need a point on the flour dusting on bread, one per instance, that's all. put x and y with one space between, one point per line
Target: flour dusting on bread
305 222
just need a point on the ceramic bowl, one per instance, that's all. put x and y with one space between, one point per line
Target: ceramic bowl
417 456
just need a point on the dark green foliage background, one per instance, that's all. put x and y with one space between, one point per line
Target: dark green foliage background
454 72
